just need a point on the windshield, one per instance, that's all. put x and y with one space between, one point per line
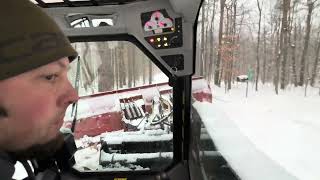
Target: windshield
262 61
124 116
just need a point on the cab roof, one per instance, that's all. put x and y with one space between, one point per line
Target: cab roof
77 3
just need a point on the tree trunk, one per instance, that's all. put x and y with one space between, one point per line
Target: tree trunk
277 64
290 25
202 51
284 48
306 43
211 56
105 72
116 63
258 47
206 46
264 55
130 64
293 47
122 68
217 78
234 42
315 64
150 72
86 70
144 67
134 70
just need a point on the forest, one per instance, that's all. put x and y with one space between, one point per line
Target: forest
270 41
275 41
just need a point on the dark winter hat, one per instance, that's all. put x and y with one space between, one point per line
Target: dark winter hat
29 38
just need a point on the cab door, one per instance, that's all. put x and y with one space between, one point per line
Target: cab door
121 44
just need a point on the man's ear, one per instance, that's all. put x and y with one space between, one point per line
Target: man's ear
3 112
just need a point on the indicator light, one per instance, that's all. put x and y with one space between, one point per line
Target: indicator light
151 40
166 44
158 39
165 38
159 45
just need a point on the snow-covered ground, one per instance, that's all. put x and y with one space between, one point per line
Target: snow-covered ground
284 128
264 136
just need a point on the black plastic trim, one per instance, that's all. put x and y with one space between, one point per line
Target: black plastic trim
68 3
195 24
179 96
41 3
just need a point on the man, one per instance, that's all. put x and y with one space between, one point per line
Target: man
34 88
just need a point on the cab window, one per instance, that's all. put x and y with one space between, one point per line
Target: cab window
123 120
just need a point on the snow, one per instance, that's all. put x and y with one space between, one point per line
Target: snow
140 136
199 84
279 134
132 158
243 77
89 158
102 104
88 155
20 172
265 136
118 137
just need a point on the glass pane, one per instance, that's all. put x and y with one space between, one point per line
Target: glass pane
124 115
261 59
35 2
89 20
52 1
102 22
205 156
80 23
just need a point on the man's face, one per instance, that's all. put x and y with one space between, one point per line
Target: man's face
35 102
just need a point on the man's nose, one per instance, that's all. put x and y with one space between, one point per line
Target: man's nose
70 95
73 97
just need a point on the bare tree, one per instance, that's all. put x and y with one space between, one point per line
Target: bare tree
150 72
316 62
292 75
85 67
218 62
105 72
207 39
131 59
116 67
122 67
306 43
258 46
293 60
264 64
284 41
234 41
278 56
202 51
211 44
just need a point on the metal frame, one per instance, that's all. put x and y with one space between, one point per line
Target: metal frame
68 3
181 82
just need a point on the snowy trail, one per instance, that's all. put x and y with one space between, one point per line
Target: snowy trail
285 127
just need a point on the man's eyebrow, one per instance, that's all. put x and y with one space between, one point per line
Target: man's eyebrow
64 66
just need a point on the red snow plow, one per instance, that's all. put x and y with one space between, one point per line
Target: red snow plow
131 109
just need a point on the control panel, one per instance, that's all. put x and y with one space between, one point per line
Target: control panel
162 31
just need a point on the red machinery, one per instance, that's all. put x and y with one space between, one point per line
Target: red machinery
125 109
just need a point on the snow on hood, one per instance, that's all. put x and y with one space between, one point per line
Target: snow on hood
245 159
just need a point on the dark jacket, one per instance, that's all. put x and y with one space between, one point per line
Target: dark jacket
7 170
6 166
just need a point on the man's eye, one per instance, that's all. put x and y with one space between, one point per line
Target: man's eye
51 77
